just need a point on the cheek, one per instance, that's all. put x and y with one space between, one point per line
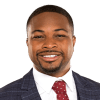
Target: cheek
70 51
31 52
33 48
67 49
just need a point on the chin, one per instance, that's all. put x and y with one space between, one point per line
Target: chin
50 70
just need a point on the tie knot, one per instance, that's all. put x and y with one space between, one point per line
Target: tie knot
59 87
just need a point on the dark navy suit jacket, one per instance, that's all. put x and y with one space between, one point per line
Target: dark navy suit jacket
25 89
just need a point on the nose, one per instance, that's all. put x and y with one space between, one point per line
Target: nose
49 44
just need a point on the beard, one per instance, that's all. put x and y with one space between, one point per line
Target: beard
51 69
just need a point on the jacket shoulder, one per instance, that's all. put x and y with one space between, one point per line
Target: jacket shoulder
88 83
12 90
11 85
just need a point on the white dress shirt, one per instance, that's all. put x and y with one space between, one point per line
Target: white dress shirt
45 82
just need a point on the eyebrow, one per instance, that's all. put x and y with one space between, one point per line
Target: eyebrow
37 31
56 30
61 30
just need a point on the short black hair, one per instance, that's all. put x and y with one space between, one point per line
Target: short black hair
52 8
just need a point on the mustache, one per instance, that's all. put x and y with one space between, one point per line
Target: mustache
45 51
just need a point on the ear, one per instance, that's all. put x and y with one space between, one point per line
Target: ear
27 41
74 40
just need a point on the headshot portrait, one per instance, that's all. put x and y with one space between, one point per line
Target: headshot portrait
48 55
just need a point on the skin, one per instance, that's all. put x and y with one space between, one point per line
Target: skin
49 33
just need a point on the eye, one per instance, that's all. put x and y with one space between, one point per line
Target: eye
60 36
37 37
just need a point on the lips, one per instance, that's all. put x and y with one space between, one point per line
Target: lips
50 53
49 56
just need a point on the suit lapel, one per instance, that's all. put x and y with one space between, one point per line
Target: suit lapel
80 83
86 90
28 84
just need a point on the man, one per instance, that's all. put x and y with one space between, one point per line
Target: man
50 41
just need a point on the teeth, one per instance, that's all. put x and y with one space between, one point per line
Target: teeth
49 56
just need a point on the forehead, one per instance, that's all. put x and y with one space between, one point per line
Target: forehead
49 19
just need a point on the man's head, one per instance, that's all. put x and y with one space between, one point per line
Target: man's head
52 8
50 40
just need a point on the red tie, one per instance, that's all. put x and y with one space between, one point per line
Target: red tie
60 88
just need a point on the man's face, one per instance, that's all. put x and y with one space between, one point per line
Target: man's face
50 43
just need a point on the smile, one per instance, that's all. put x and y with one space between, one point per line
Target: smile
49 58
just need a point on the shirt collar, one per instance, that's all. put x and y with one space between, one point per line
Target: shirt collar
68 78
46 82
